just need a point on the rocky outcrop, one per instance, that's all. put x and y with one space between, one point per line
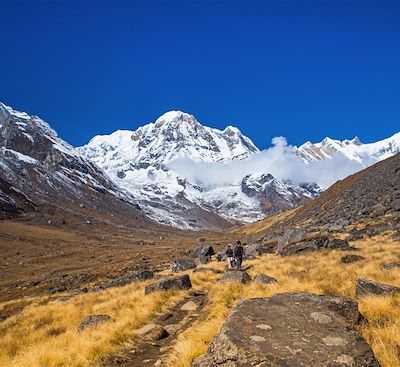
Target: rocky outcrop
292 235
176 283
202 250
347 259
93 320
290 329
236 276
366 287
179 265
264 279
140 275
314 244
257 249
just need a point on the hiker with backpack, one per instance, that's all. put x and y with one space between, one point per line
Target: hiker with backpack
238 253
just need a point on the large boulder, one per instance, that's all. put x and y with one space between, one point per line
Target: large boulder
176 283
202 250
290 329
366 287
257 249
264 279
179 265
93 320
314 244
140 275
292 235
236 276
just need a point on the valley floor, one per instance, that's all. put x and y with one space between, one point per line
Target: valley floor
44 331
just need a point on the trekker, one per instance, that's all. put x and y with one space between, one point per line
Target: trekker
238 254
229 257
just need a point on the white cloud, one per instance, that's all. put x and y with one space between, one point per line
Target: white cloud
279 160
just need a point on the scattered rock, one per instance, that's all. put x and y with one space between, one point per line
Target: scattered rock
205 270
264 279
93 320
291 236
165 316
189 306
391 266
257 249
152 332
202 250
178 282
314 244
290 329
347 259
236 276
179 265
140 275
366 287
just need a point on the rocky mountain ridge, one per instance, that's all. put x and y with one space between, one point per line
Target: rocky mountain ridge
137 167
40 170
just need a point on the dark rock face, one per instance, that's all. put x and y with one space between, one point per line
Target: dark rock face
179 265
268 191
179 282
264 279
236 276
314 244
93 320
366 287
347 259
140 275
40 170
290 329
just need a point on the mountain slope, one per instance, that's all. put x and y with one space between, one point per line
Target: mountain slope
39 170
369 196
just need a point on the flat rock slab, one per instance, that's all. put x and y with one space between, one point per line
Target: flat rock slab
290 329
152 332
189 306
236 276
172 283
179 265
365 287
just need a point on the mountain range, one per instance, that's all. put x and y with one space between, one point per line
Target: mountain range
134 173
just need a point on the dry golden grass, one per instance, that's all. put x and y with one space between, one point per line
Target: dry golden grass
320 273
44 334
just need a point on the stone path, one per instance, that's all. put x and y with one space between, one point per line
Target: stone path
149 351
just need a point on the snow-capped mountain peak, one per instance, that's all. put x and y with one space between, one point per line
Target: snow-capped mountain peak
353 149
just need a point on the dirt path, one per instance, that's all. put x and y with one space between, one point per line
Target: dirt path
147 352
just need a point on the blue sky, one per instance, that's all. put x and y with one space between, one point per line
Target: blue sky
299 69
